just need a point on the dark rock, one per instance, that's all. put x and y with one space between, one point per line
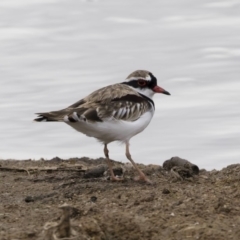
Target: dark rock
29 199
55 160
183 163
165 191
118 171
95 172
93 199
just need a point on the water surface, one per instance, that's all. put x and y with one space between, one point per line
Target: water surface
53 53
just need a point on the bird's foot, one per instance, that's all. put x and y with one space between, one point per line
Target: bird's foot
143 178
116 179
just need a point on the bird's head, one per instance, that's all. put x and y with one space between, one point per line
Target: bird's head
145 83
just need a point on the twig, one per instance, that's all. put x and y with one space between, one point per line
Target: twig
36 169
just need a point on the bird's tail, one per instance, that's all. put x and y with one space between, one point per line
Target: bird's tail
56 116
41 118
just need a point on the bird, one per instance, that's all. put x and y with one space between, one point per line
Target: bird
113 113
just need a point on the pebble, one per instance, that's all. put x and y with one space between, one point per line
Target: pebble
29 199
165 191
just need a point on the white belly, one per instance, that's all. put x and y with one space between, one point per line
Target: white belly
113 130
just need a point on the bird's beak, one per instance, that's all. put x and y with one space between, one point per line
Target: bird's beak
158 89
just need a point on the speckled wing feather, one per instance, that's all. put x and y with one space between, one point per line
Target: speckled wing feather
106 94
117 101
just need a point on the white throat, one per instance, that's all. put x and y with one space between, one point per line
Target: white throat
145 91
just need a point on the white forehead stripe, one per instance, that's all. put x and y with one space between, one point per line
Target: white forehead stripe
148 78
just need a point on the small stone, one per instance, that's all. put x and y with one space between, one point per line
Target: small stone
29 199
93 199
95 172
118 171
165 191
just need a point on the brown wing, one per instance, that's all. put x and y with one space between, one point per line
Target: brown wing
117 101
129 107
104 95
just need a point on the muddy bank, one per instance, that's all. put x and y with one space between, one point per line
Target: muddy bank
74 199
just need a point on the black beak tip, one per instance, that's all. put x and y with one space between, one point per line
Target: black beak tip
166 93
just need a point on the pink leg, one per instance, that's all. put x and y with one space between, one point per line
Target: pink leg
113 178
142 176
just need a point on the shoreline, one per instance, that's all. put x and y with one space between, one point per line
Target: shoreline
38 197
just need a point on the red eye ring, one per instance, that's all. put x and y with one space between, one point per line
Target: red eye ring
142 83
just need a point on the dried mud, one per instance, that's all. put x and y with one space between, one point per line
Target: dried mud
74 199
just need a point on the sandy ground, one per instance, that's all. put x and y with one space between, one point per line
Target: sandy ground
74 199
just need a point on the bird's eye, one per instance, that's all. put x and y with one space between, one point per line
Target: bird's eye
142 83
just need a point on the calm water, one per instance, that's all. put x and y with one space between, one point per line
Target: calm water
55 52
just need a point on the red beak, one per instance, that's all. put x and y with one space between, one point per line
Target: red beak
158 89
